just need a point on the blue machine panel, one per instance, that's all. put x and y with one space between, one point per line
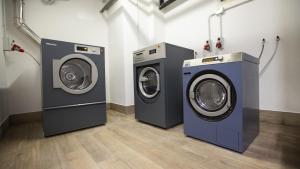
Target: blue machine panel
238 125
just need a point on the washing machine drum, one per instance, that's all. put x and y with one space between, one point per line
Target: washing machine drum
149 82
75 74
210 95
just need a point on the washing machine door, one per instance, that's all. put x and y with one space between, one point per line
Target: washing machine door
148 82
75 74
210 95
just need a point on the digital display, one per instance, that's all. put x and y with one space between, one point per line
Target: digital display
152 51
209 59
81 48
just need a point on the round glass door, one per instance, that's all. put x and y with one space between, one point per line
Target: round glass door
76 74
210 95
149 82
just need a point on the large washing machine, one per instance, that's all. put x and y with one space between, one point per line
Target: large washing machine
73 86
158 84
221 100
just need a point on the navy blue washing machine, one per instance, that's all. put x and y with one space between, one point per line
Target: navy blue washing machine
73 86
221 100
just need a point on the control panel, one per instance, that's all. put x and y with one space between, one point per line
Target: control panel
212 59
87 49
235 57
150 53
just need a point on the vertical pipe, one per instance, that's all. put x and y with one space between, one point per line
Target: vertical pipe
20 22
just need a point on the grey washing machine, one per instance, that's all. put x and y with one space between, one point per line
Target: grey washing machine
157 83
73 86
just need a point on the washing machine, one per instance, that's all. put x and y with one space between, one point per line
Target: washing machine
157 84
221 100
73 86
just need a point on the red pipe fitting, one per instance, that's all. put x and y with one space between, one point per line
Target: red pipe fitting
17 48
219 44
207 46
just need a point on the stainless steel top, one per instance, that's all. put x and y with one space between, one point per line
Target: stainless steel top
150 53
219 59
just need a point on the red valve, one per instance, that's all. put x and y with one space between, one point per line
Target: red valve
17 48
219 44
207 46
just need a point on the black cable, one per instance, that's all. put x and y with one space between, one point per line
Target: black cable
263 48
32 57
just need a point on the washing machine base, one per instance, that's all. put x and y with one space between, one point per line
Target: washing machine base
161 126
62 120
216 144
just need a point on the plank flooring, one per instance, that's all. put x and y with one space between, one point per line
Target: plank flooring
124 143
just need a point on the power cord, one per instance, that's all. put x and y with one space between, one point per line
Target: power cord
29 54
32 57
263 48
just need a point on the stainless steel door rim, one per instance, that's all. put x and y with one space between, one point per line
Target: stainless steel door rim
143 79
200 107
64 80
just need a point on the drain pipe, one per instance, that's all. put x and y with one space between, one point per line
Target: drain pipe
21 23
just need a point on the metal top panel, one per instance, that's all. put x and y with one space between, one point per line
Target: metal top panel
150 53
76 47
219 59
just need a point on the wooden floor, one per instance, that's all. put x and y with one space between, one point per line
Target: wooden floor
124 143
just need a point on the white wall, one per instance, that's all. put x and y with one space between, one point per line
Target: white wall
2 59
122 41
133 24
130 45
243 29
116 61
3 87
74 21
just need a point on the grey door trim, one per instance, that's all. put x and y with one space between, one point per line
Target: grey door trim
57 83
202 111
142 79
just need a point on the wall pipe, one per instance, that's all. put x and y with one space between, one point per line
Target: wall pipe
220 14
21 22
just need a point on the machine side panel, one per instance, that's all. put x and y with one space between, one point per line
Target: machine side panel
250 103
173 67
